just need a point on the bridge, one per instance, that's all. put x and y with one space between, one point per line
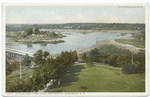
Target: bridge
16 53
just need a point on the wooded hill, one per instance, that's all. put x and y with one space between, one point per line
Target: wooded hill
77 26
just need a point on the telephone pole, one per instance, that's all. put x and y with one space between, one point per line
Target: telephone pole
96 40
132 58
20 68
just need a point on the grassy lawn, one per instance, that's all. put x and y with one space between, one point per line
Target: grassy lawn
138 36
98 79
11 78
111 49
135 42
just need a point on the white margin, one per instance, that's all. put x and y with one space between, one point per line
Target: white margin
146 93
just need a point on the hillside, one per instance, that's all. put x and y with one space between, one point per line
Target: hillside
77 26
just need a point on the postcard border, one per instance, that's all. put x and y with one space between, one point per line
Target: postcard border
79 93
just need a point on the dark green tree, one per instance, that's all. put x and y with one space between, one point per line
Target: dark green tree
15 65
54 34
103 57
9 68
45 54
29 31
84 57
38 58
26 61
94 54
123 60
112 60
90 62
36 30
74 56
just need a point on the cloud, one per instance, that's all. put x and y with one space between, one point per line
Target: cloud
127 12
57 16
69 19
79 18
109 18
112 18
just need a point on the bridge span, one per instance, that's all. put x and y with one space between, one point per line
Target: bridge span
16 53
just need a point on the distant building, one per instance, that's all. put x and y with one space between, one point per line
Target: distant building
33 34
42 34
100 26
67 27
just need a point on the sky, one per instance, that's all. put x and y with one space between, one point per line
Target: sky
56 14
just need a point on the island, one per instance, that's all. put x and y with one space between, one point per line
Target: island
35 35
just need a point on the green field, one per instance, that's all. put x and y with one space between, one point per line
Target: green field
135 42
98 79
11 78
109 49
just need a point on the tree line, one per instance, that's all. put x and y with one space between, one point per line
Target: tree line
49 68
85 26
116 61
13 66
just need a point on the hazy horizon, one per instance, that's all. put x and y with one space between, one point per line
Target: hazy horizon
67 23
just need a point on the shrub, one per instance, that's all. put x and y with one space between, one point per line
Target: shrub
112 60
141 67
129 69
103 57
81 61
90 62
123 60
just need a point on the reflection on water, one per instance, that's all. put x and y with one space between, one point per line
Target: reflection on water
43 45
29 45
123 34
73 41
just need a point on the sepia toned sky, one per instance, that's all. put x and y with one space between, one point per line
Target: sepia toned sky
53 14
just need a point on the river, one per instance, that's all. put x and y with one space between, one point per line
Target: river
73 41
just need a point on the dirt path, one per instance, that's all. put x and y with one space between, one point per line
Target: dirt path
132 48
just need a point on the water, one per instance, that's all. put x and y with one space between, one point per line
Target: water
73 41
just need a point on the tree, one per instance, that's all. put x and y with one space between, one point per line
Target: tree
53 34
123 60
141 67
103 57
74 56
94 54
45 54
84 56
26 61
38 57
15 65
112 60
9 68
139 62
29 31
90 62
52 69
36 30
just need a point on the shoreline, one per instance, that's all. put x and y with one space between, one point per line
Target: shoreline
89 31
132 48
36 42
